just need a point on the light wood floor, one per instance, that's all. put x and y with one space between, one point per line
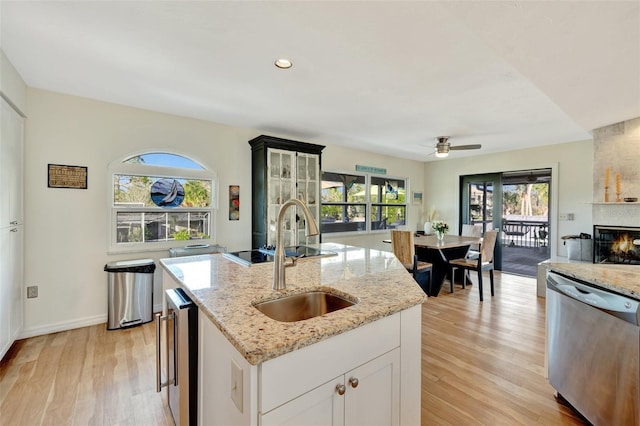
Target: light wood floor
87 376
482 364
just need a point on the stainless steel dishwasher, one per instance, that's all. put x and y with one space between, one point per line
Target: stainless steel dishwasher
593 350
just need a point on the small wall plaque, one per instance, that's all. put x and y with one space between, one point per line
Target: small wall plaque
67 176
371 169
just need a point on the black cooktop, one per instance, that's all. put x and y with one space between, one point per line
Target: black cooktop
266 254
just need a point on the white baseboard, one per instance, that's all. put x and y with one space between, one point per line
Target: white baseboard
62 326
70 325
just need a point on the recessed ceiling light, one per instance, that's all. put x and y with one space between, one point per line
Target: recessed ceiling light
283 63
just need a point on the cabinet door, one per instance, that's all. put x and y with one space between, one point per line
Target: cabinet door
373 392
322 406
11 167
307 189
281 169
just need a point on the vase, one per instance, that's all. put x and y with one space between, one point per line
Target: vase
440 235
427 228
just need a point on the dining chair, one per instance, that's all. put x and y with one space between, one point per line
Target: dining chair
472 231
484 262
404 249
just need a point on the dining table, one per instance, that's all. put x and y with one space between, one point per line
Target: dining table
439 252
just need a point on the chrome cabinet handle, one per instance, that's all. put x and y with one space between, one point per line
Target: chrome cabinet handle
341 389
13 230
354 382
13 222
159 384
158 345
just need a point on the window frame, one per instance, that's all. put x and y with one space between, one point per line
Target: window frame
120 167
367 202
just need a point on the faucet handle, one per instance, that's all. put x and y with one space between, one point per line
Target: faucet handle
294 259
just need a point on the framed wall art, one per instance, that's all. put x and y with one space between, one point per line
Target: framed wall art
60 176
234 202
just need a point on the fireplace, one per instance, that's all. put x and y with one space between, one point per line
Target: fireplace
616 244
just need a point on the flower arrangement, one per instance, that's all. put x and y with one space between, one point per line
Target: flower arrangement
440 226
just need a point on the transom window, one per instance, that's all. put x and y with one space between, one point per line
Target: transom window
159 198
361 202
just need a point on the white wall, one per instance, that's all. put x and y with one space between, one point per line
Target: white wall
67 229
66 235
572 183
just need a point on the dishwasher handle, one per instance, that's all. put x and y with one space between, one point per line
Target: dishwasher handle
617 305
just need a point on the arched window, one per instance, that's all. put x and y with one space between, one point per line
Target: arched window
160 200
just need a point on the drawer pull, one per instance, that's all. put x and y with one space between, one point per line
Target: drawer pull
354 382
341 389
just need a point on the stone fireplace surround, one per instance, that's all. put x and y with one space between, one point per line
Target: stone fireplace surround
617 147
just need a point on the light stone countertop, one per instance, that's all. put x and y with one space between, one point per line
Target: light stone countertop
622 279
225 290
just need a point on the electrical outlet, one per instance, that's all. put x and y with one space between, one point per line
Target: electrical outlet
236 384
32 292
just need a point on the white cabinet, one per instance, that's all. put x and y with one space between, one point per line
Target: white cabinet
301 387
322 406
373 392
11 227
366 395
283 169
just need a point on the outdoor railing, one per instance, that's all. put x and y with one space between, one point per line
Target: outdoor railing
525 233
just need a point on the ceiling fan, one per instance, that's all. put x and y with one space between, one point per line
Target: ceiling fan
443 146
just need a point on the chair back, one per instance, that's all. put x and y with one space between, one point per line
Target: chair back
471 231
488 244
402 246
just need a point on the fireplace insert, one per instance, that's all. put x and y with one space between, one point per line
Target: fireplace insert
616 244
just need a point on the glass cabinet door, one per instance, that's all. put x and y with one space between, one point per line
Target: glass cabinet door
309 191
292 175
281 179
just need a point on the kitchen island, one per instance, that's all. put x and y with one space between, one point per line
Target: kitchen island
354 364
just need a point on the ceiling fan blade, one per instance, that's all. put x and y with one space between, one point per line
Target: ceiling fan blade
463 147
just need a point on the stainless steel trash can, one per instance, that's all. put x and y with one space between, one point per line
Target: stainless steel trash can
130 293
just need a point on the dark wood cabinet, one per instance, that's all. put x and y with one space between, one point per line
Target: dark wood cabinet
283 169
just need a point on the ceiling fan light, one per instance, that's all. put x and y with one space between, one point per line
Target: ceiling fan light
442 149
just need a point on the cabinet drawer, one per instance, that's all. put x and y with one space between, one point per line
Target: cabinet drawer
286 377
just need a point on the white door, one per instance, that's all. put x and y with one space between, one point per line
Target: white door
323 406
10 286
16 281
373 392
10 167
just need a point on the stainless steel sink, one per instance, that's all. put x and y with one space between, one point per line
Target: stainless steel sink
298 307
